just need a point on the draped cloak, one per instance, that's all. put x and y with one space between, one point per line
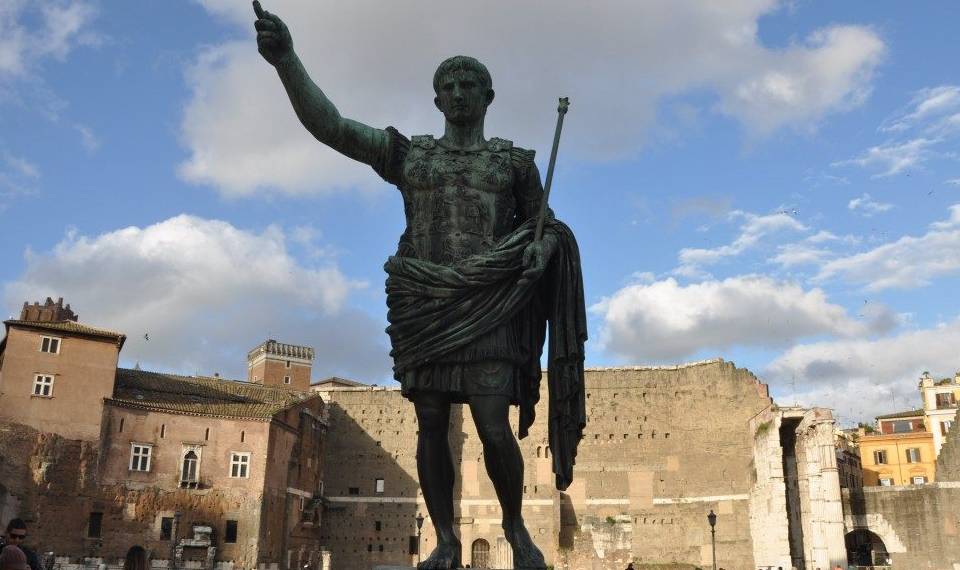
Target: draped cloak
435 309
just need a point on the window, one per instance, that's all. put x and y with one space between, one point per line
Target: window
189 469
378 486
913 455
412 546
886 482
377 526
166 528
286 379
353 491
49 344
919 480
945 427
206 434
904 426
43 385
121 425
239 465
140 457
946 400
230 533
288 364
880 457
163 430
95 525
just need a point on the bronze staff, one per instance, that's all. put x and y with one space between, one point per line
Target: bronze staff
561 110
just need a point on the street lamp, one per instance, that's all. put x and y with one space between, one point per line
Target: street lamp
712 519
419 528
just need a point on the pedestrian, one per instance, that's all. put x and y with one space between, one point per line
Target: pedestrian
12 558
17 535
136 559
630 566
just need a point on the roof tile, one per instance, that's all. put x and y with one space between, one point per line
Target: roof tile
201 395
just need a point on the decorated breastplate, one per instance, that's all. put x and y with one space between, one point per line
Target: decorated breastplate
458 203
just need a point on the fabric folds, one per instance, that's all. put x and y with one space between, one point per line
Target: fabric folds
436 309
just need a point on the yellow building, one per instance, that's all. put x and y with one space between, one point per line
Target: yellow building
900 452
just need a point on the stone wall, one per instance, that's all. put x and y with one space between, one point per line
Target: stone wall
663 446
918 524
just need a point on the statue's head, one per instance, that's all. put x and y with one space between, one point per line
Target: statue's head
464 89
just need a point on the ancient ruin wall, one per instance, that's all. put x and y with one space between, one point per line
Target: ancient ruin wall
662 447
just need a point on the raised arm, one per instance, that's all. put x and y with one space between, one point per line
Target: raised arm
316 112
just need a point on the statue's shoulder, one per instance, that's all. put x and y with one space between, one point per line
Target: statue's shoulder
425 142
496 144
522 158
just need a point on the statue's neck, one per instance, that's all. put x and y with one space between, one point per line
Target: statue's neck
467 137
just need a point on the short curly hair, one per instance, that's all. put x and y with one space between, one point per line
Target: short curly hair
462 63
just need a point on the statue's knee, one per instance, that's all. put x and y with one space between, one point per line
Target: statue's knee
493 434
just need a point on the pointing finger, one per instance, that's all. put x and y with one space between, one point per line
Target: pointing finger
258 10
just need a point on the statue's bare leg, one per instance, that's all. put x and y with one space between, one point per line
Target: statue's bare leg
504 463
436 472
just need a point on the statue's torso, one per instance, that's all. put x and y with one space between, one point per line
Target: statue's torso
457 203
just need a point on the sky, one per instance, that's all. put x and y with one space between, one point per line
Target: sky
771 182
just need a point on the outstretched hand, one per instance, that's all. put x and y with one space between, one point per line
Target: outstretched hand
536 256
273 38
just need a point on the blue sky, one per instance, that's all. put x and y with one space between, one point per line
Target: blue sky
775 183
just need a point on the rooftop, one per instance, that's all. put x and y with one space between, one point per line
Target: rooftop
69 327
337 381
898 415
202 395
271 346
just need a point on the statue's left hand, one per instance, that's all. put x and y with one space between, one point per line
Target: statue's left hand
536 257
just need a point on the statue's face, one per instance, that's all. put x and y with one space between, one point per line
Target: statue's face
462 98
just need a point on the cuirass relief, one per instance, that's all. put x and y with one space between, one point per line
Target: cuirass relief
458 203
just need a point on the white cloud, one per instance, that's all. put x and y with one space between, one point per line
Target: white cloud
868 206
21 166
905 263
894 157
867 377
616 64
752 233
810 250
953 181
61 26
205 292
830 71
666 321
89 140
18 177
929 108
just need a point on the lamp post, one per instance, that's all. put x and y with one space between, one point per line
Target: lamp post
712 519
419 529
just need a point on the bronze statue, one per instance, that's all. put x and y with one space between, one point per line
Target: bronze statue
470 290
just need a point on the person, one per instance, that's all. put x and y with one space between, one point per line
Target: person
13 558
467 307
629 566
136 559
16 534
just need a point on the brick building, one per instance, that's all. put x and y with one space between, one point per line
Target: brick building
200 470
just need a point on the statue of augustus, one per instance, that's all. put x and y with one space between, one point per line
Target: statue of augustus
470 292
